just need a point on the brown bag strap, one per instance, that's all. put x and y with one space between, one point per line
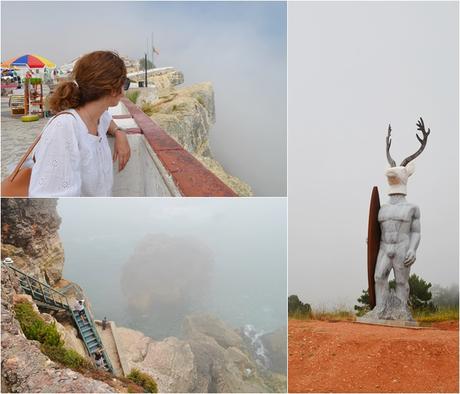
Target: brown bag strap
31 147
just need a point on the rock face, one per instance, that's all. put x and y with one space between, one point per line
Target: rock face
166 79
30 237
24 367
276 345
211 357
170 362
187 115
167 274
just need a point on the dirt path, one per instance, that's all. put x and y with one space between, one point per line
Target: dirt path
352 357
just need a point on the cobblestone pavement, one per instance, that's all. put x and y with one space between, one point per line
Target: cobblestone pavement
16 137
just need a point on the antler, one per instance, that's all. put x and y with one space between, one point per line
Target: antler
423 140
389 158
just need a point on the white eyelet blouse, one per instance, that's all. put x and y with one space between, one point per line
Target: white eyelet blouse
71 162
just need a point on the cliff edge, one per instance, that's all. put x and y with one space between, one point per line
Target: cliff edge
187 115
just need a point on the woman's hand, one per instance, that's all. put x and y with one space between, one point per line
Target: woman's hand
121 150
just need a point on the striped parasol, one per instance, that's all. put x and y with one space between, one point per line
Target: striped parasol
32 61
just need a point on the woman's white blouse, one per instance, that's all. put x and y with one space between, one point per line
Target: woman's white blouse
71 162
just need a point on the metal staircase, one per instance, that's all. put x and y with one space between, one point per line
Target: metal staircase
46 297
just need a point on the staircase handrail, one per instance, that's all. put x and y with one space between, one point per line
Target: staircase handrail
41 285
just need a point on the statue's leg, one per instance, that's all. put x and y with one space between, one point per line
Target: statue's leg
382 271
401 276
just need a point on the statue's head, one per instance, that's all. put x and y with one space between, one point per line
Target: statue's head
397 176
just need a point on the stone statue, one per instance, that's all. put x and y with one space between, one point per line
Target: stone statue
400 236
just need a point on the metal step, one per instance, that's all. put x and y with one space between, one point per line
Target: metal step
87 336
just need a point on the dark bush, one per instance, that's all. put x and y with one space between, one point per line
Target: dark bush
297 308
144 380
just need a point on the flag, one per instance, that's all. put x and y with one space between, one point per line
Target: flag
155 50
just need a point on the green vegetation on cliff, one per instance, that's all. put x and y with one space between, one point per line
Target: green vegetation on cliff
144 380
35 328
133 96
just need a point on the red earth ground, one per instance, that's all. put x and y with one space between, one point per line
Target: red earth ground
327 356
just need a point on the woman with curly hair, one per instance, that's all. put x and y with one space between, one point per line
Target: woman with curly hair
73 156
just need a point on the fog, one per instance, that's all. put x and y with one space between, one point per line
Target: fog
355 67
147 263
239 46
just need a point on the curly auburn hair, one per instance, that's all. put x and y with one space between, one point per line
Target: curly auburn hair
97 74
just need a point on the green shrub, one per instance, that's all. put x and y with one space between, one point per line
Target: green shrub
148 109
35 328
144 380
133 96
68 357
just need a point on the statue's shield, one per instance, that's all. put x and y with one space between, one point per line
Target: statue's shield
373 242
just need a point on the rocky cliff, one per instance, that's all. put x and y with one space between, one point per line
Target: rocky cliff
25 369
209 357
187 114
30 237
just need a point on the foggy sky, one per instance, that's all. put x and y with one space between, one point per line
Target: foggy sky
246 238
353 68
239 46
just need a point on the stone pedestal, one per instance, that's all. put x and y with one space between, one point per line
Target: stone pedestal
391 323
392 308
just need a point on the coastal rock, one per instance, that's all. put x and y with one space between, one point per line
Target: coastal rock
170 362
222 360
211 357
69 335
276 346
204 325
166 274
187 115
165 80
30 237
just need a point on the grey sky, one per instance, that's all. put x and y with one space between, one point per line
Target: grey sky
239 46
246 238
353 68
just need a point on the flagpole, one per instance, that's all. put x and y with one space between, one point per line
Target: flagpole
153 51
145 68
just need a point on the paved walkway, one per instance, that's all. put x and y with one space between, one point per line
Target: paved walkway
109 345
17 136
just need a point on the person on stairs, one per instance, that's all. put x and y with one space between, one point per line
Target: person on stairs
80 309
99 358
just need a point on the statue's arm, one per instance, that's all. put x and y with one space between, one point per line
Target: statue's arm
414 238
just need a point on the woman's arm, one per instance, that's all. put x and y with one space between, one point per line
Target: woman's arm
121 150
